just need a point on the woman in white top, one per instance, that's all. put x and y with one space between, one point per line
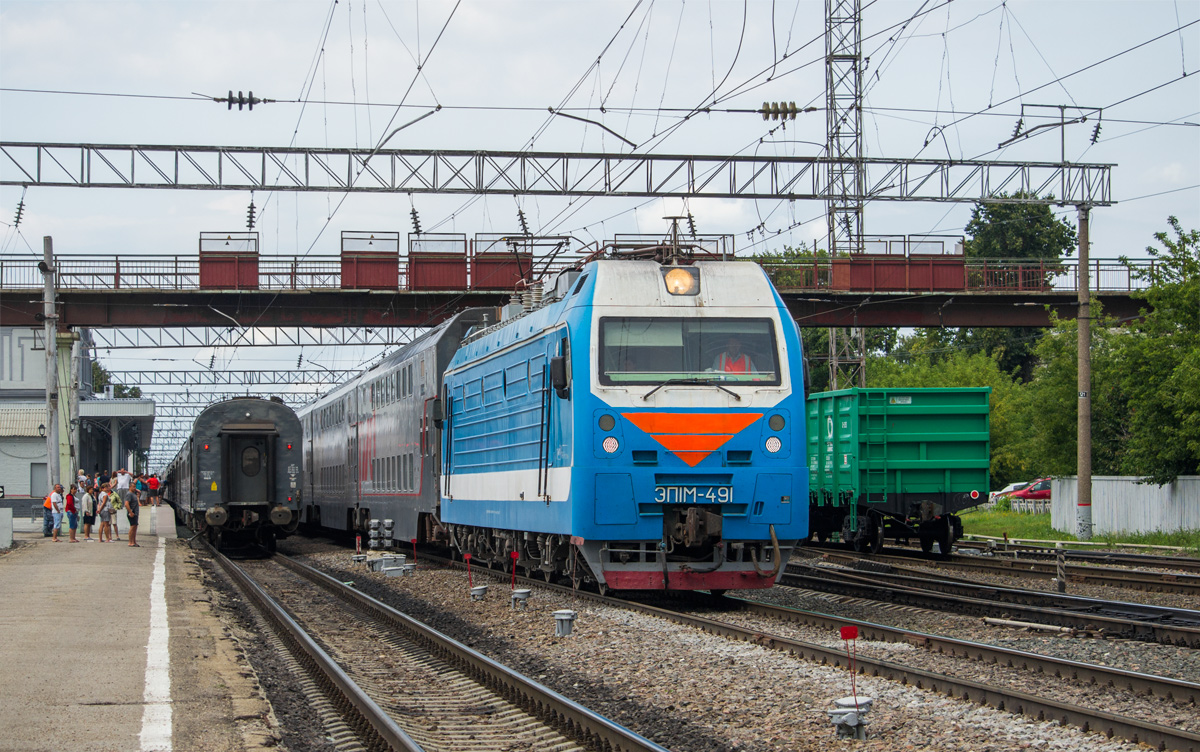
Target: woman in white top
89 513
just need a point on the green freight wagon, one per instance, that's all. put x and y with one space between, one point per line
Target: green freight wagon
896 463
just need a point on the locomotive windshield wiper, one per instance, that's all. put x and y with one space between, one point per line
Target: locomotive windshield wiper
695 382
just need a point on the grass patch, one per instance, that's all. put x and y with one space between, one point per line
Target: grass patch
1037 527
1013 524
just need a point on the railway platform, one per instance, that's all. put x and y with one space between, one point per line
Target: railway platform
109 647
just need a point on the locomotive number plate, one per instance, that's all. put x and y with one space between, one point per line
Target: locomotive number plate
693 494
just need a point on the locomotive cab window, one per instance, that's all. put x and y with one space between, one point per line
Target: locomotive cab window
642 350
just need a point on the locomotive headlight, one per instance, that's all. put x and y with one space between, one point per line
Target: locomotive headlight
774 444
611 444
776 422
607 422
681 280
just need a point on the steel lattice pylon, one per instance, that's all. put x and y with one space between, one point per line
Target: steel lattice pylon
844 202
843 89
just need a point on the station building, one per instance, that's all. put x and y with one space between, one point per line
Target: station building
96 431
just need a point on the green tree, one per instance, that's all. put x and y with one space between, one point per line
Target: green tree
102 378
1052 399
1160 363
1018 232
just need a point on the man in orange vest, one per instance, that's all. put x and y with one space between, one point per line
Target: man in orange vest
733 360
47 518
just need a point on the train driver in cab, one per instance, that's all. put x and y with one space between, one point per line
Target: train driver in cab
733 360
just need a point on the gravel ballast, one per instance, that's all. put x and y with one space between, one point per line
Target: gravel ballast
689 690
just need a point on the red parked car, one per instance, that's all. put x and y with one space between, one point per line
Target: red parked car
1039 489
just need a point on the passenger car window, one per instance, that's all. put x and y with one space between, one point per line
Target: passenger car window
250 461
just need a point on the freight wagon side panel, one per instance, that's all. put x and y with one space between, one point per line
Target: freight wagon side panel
890 447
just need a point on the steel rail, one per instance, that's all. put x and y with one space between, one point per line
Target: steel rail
1000 550
822 580
1159 686
922 580
534 698
368 720
1183 584
1110 724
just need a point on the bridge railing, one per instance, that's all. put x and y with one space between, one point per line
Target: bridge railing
867 273
881 273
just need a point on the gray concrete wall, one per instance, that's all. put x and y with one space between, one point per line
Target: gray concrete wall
17 453
1122 505
6 528
21 366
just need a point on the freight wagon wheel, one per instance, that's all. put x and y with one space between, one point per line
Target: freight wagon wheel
945 540
926 543
822 537
876 543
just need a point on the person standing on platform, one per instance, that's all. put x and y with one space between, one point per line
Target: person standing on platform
153 484
89 512
104 512
102 477
47 516
72 515
132 508
58 506
124 481
139 488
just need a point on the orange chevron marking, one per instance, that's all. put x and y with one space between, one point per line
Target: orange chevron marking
692 436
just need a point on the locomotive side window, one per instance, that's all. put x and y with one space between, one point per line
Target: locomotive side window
251 461
642 350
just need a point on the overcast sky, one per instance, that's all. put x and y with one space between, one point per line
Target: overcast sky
345 74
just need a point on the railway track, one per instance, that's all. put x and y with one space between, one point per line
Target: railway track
1042 553
1028 564
1001 697
1109 618
396 684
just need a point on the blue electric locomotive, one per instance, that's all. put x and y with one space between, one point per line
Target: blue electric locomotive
643 429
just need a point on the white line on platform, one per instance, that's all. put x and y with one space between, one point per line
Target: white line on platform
156 716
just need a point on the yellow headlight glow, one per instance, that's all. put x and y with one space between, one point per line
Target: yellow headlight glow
681 281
